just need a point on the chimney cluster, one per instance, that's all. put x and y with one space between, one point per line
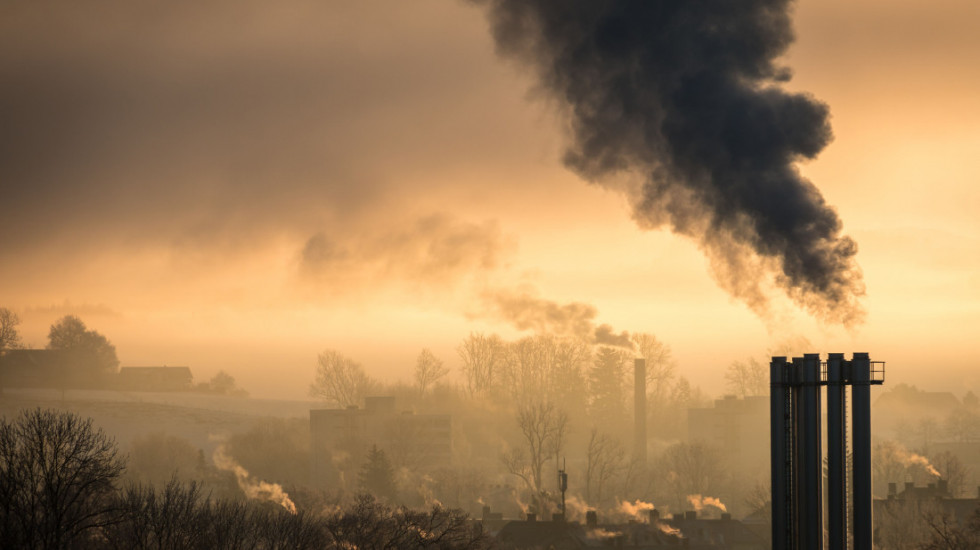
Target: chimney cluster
797 468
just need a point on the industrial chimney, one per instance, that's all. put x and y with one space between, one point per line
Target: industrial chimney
795 423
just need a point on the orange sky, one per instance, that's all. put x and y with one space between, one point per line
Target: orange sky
239 186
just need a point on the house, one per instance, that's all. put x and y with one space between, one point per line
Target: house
38 368
906 515
686 530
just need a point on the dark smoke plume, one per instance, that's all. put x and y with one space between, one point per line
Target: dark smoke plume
685 93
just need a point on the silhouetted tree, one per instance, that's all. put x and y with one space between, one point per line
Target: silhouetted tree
607 386
605 460
377 477
57 476
747 378
223 383
945 533
543 427
659 362
93 351
691 468
482 358
370 524
157 458
274 449
428 369
339 379
952 470
9 337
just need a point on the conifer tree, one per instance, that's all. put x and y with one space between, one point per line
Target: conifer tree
377 476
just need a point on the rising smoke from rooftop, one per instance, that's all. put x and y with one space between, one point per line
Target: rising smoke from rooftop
686 95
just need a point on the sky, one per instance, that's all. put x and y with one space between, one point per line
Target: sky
241 185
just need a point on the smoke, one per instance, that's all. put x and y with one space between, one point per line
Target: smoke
600 534
636 509
255 489
575 508
668 530
435 250
913 459
699 502
604 334
526 311
686 95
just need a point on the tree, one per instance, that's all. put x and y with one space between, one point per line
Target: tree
9 337
428 369
607 386
691 469
370 524
659 362
482 357
543 426
339 379
158 458
377 477
951 469
945 533
747 378
93 352
605 461
223 383
57 476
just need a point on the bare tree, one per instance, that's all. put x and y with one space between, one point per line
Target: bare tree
428 370
659 362
339 379
370 524
516 463
543 426
482 357
747 378
605 460
57 476
691 468
9 337
951 469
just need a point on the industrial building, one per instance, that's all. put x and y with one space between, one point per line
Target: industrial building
341 437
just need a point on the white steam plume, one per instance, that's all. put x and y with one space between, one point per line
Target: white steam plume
699 502
252 488
913 459
636 509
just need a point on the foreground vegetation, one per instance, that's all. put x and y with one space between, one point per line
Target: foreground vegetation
60 487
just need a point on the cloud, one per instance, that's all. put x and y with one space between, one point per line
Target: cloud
220 126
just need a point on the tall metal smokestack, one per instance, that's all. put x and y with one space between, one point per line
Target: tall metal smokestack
640 410
781 447
797 492
836 454
861 404
811 463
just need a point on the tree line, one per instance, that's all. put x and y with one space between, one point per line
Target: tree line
60 487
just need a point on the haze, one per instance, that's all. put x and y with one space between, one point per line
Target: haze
241 185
